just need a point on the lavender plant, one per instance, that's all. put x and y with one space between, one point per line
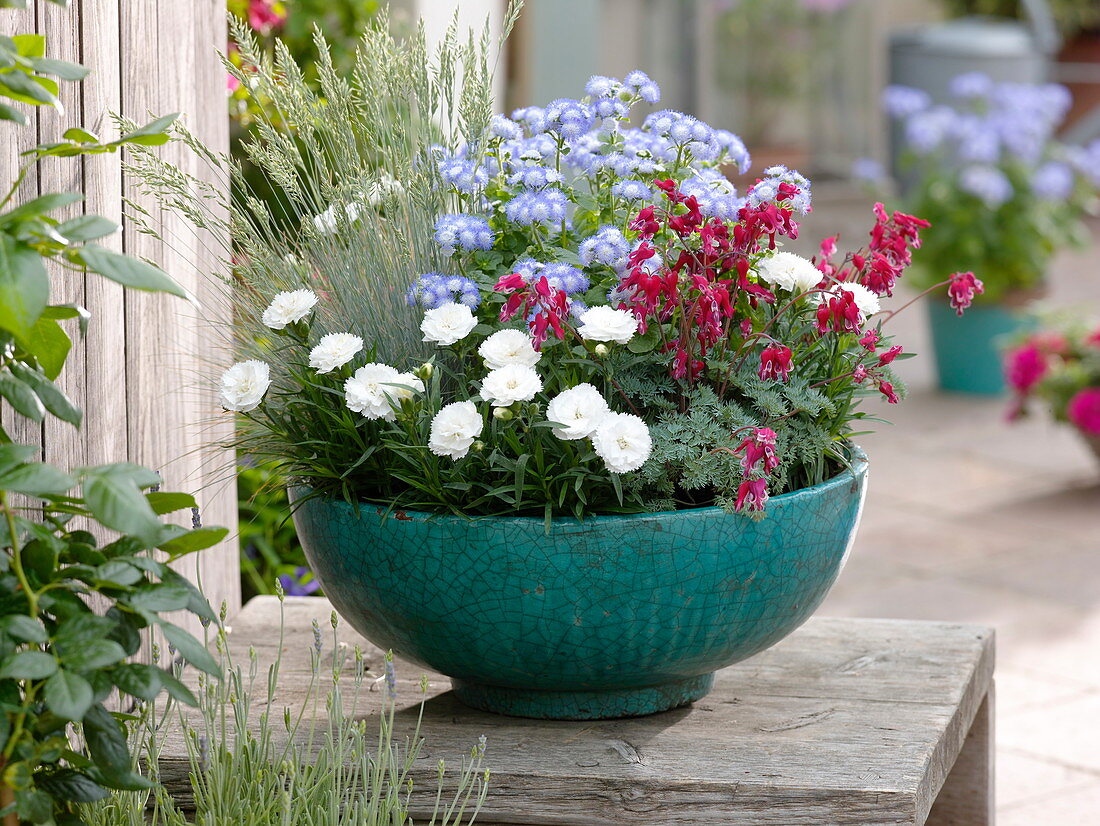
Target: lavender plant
255 763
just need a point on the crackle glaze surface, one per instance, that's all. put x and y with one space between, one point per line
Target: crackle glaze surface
610 616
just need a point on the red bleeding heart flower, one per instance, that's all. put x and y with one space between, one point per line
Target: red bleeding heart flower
752 495
775 363
962 289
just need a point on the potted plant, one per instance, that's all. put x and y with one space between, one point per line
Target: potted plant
564 422
1004 196
1059 368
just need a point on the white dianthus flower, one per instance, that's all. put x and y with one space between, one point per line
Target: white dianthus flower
789 272
244 385
506 347
623 442
607 324
448 323
375 389
866 300
579 410
326 222
510 384
287 308
454 429
334 351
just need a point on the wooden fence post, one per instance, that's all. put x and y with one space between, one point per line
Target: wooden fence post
143 375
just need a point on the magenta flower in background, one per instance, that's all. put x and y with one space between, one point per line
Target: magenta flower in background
1025 367
265 15
1084 411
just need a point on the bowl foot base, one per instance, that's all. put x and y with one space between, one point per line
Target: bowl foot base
583 705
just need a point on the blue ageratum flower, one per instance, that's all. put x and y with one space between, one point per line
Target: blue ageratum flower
632 190
569 118
988 183
505 128
767 188
434 289
608 98
1053 181
534 176
642 86
533 117
608 247
564 277
904 101
732 149
546 206
464 175
971 85
467 232
926 131
717 197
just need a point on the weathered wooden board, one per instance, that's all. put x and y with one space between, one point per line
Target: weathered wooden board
143 373
845 722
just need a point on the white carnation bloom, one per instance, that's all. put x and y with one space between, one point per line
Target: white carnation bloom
448 323
623 442
510 384
385 187
506 347
790 272
374 390
287 308
454 429
607 324
579 409
333 351
244 385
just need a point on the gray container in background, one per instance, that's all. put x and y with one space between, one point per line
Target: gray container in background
929 57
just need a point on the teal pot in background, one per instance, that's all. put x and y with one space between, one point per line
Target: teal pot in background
612 616
968 347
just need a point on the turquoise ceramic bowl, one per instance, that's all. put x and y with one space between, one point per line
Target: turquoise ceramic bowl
968 347
607 617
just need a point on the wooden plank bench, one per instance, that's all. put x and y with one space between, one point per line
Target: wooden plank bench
848 721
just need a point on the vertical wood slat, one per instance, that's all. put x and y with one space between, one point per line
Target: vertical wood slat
143 373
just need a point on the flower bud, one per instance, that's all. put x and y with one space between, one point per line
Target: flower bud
601 350
477 446
425 370
502 414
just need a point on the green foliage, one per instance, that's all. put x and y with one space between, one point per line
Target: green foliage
269 543
337 771
24 68
61 660
1009 246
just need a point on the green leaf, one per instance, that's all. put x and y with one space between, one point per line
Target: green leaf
106 742
22 627
92 655
191 649
67 695
59 68
24 287
30 45
40 206
37 479
118 503
80 135
21 397
192 541
177 690
12 455
197 604
167 502
28 665
87 228
152 133
36 91
69 784
118 572
160 596
129 272
33 805
12 114
138 680
49 394
50 345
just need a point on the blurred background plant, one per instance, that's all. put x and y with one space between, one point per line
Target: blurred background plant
1071 16
270 551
